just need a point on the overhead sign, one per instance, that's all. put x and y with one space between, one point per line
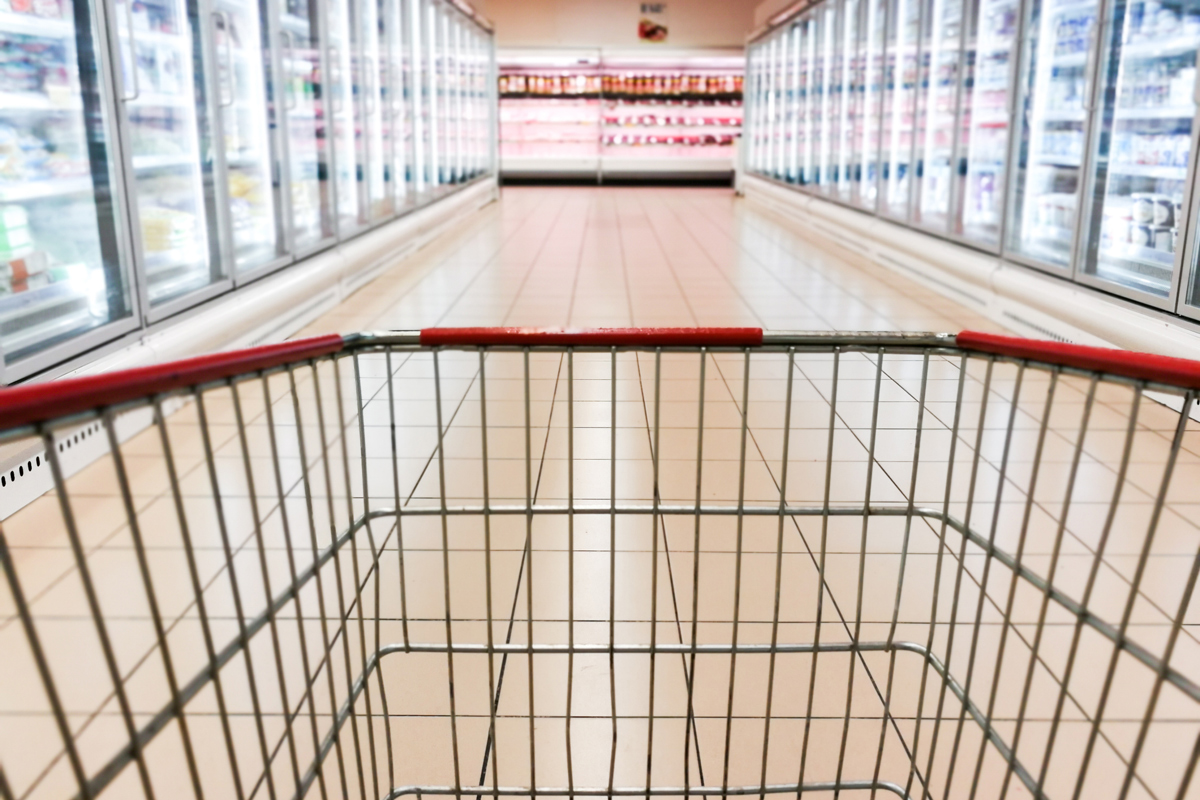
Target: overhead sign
652 22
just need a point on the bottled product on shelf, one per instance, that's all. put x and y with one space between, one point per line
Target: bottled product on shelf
575 116
549 85
568 84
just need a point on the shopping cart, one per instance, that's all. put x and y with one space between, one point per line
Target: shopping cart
668 562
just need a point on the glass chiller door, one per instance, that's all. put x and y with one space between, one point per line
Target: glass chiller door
1059 43
787 109
778 106
983 144
872 59
937 109
246 122
831 98
366 64
305 102
432 128
858 100
807 102
818 99
900 104
61 272
400 122
1140 156
845 90
343 113
419 96
457 115
795 105
166 120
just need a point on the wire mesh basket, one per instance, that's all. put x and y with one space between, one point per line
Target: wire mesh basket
668 562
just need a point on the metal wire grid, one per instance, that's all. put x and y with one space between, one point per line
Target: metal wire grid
295 455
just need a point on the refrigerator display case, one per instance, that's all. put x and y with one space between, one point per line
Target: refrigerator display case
343 93
246 121
587 113
818 100
1057 134
844 85
777 108
550 114
983 123
937 110
167 118
900 105
153 153
869 120
793 105
757 105
62 272
1140 163
676 116
1053 89
806 30
304 99
370 69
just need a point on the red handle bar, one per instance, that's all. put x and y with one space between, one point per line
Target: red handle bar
1181 372
594 337
23 405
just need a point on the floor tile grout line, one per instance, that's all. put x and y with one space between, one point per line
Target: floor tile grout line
688 676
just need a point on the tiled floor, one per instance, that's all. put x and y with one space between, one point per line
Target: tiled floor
265 476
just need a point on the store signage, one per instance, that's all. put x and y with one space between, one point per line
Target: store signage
652 22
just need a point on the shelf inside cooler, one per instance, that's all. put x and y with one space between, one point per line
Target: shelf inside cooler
162 161
32 25
1148 171
1156 112
291 22
1071 59
1155 48
1148 256
1148 271
176 40
30 319
152 99
1062 162
37 189
36 101
1065 115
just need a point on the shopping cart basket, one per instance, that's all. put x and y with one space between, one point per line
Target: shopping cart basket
606 563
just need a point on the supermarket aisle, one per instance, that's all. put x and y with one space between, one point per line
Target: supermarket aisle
606 257
639 256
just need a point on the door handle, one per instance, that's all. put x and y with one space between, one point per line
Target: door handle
137 83
1089 65
223 18
289 95
369 83
1196 85
335 78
